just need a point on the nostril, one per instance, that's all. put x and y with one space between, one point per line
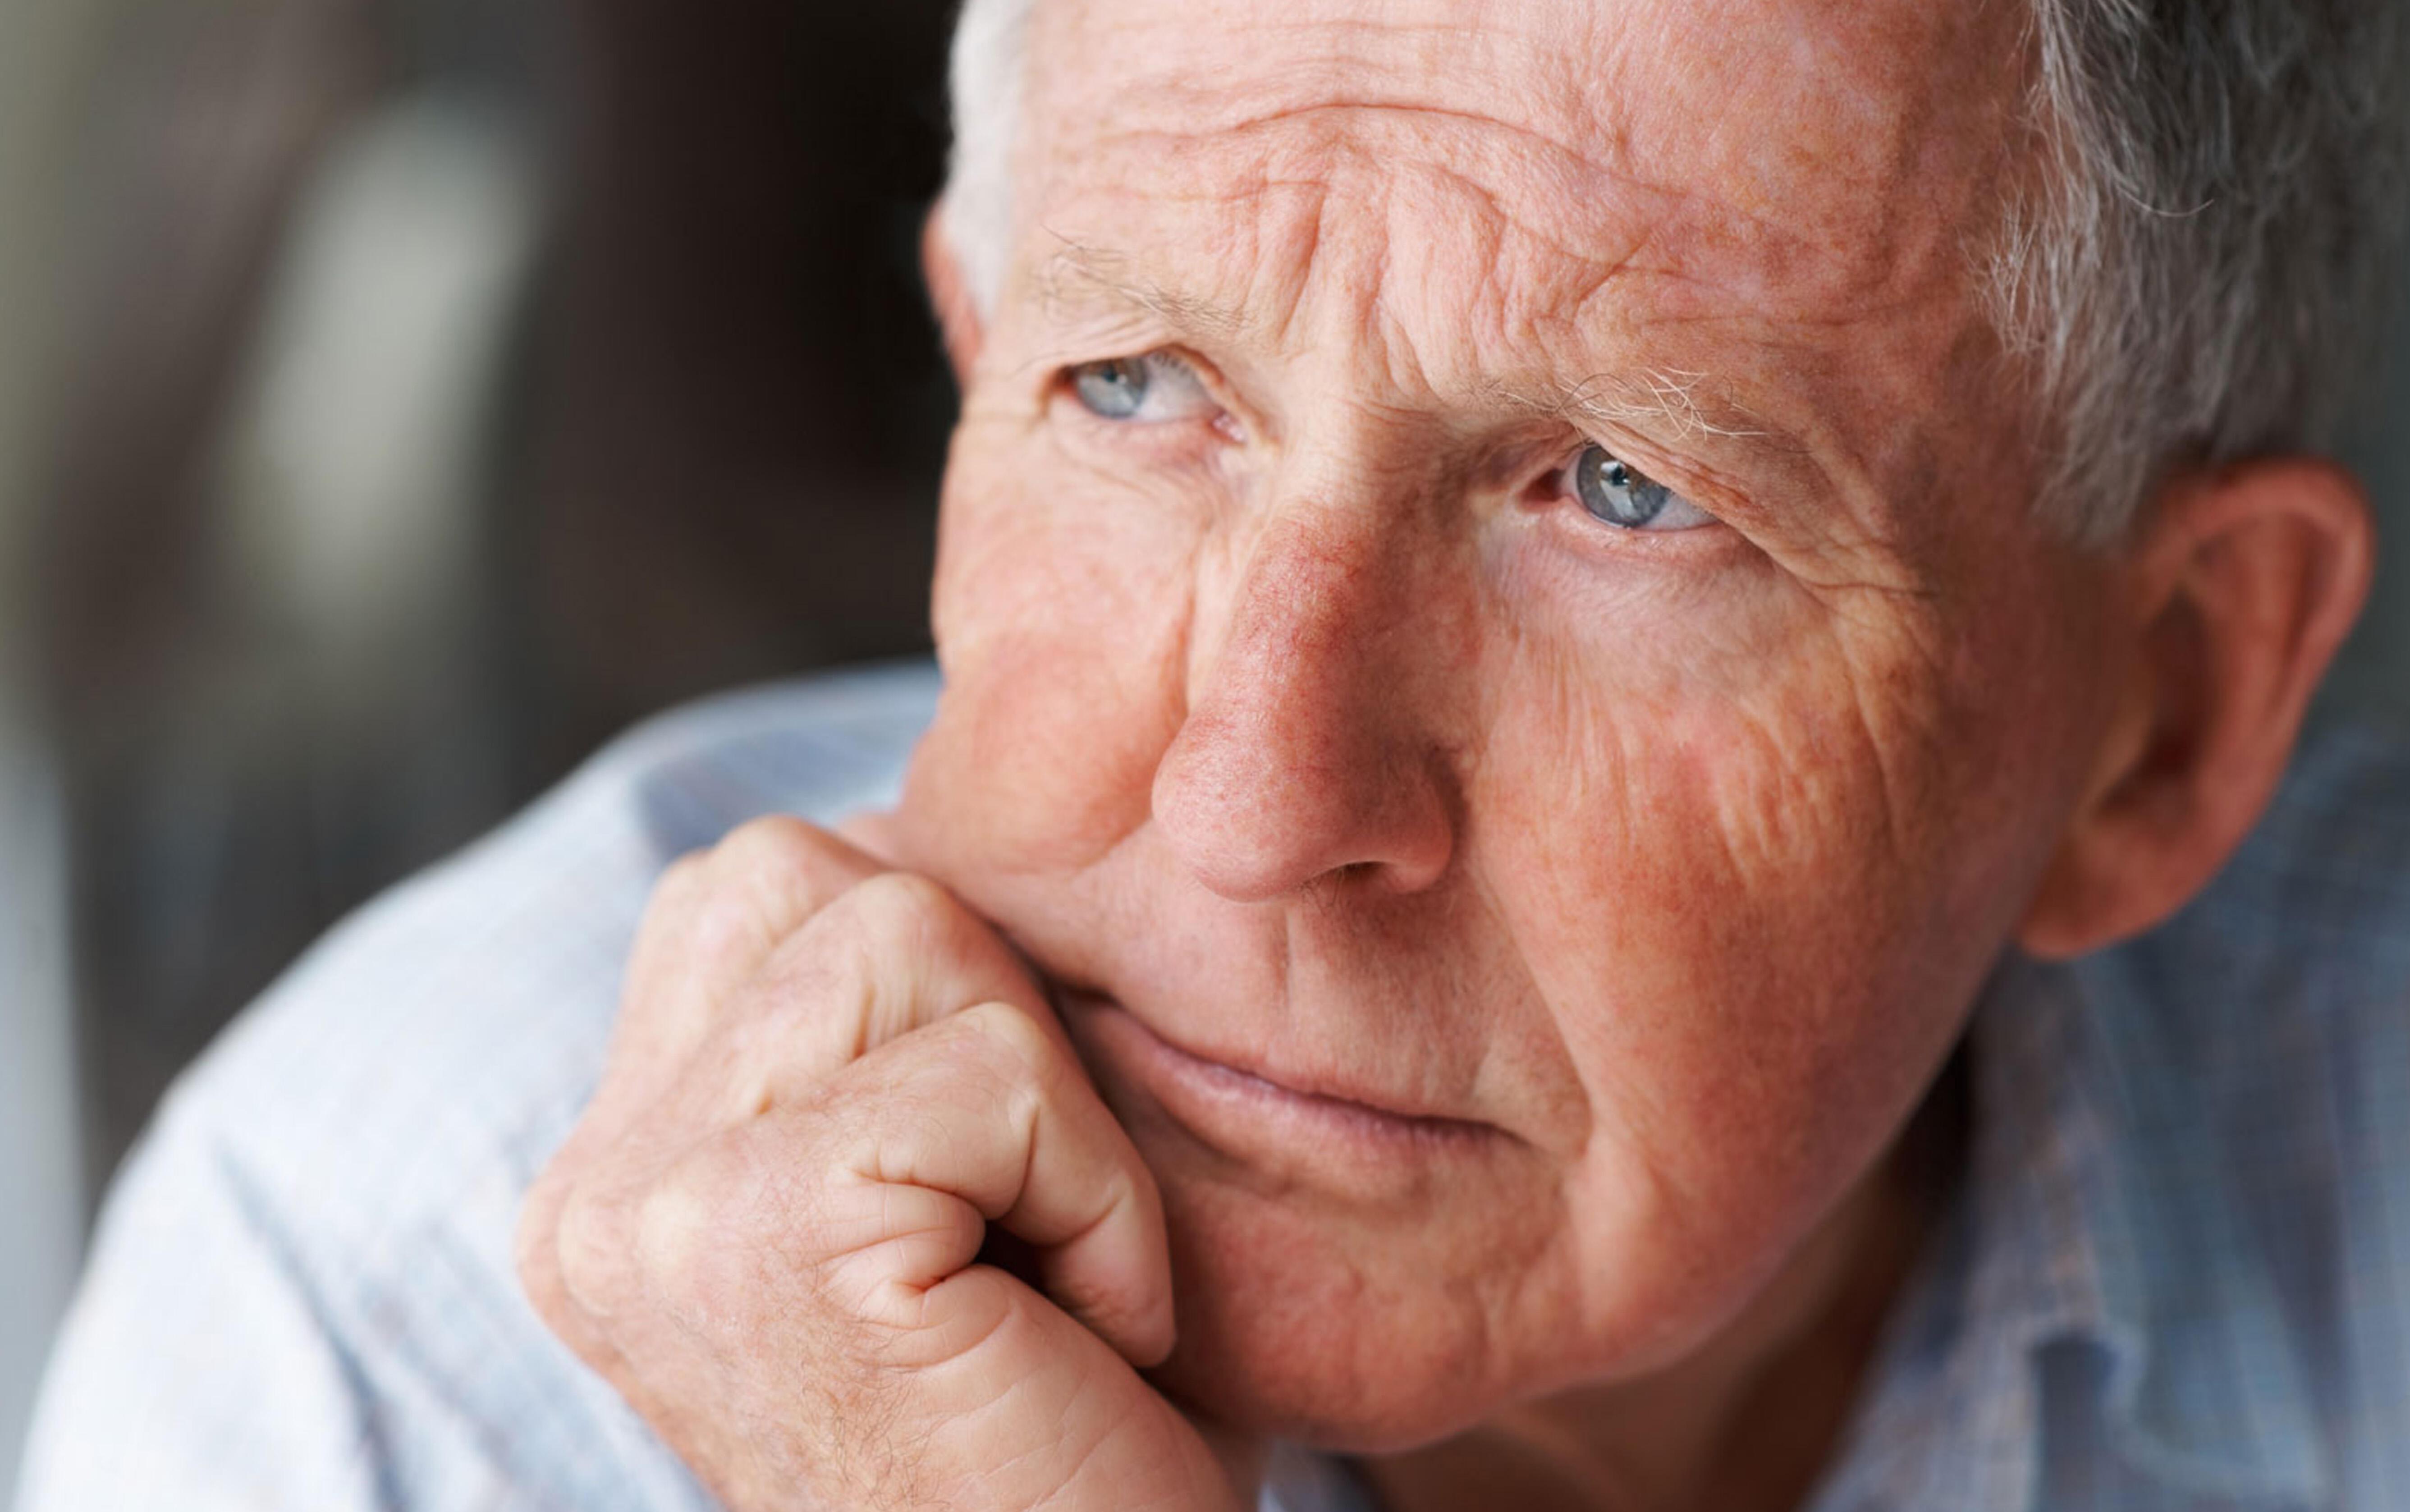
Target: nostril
1335 884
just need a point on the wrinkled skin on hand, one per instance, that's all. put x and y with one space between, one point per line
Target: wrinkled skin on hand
827 1082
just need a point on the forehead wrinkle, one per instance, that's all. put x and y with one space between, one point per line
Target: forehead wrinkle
1490 67
1415 225
1600 234
1594 90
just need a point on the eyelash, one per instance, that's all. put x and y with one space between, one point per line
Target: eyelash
1623 489
1091 385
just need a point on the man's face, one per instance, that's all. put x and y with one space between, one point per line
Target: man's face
1510 908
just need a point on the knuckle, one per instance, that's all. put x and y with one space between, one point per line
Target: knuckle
775 850
589 1254
681 880
900 910
1011 1035
727 1228
760 882
677 893
894 923
535 1252
671 1223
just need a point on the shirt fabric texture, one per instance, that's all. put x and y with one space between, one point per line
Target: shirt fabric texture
2176 1274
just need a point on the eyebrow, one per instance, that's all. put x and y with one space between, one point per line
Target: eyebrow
1080 280
1668 397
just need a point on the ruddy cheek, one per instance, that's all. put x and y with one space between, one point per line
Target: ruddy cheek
1062 692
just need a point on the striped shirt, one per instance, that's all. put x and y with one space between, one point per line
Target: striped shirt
2176 1275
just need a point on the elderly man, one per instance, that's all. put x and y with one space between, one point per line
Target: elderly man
1568 632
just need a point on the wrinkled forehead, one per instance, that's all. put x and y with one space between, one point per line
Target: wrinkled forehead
1786 151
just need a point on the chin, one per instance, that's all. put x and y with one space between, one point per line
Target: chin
1294 1345
1293 1328
1376 1333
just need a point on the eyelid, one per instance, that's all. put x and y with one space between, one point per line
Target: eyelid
1191 383
1166 360
1706 487
1565 487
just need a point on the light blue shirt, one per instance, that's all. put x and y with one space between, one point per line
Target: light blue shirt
2177 1275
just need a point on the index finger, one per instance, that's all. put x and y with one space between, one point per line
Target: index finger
715 919
895 954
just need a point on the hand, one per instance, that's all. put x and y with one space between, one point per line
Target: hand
826 1082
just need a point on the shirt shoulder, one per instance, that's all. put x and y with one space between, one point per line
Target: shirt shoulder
326 1203
461 1019
2259 1083
2284 988
2178 1275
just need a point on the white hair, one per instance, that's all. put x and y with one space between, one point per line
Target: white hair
2195 280
991 68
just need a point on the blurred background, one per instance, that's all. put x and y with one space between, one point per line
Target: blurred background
397 398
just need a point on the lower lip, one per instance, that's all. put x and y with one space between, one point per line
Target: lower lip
1262 1122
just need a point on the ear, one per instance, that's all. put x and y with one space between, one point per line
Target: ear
950 293
2240 590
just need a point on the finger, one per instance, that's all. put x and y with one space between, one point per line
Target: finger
761 884
876 833
1005 1398
987 1115
893 955
1089 1432
715 919
561 1250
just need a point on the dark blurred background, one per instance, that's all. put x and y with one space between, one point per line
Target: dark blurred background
397 398
450 385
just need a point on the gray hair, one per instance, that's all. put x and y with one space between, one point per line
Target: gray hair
2225 183
2193 279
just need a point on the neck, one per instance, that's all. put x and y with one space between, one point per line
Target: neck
1749 1422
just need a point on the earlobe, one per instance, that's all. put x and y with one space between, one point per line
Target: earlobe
950 294
2242 587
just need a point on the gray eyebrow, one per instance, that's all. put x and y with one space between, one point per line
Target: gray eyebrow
1660 396
1078 278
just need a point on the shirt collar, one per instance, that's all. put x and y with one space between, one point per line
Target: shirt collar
2206 1389
2092 1216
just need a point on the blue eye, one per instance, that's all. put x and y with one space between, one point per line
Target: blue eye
1620 495
1151 390
1115 390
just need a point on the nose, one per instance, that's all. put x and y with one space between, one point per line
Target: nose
1305 753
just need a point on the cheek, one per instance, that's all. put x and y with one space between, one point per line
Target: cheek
1060 628
1783 891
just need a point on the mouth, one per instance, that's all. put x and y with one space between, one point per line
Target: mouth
1257 1117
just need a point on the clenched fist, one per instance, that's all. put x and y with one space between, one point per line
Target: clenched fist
828 1080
